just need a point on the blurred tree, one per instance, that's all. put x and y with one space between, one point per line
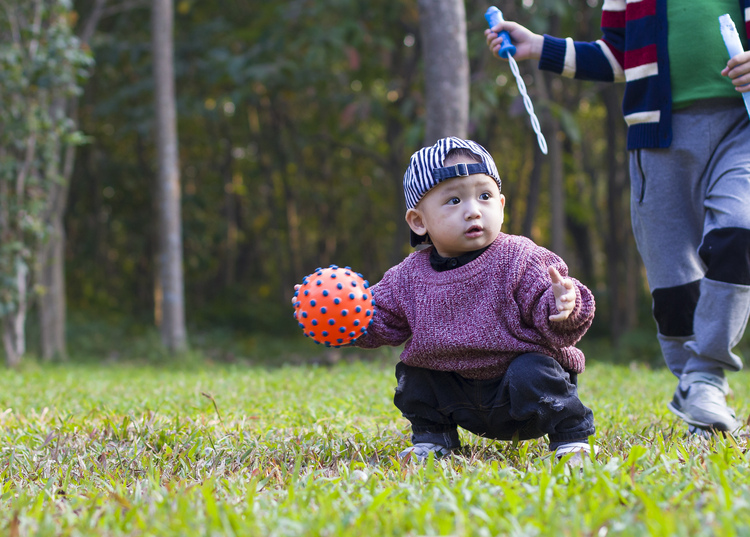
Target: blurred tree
294 124
42 65
51 302
169 288
442 25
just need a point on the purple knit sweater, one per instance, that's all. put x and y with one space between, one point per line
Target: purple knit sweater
477 318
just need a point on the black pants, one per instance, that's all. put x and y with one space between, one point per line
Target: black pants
535 397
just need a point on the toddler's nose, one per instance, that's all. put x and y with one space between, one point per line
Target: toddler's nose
472 211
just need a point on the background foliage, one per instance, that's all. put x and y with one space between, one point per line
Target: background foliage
41 66
296 121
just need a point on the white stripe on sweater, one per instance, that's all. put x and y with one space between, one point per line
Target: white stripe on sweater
642 71
614 5
569 63
617 71
652 116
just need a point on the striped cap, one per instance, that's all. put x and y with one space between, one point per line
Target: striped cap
426 169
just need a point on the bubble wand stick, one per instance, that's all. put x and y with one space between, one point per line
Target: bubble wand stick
734 46
494 16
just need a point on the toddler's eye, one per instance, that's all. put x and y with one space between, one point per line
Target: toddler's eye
454 201
485 196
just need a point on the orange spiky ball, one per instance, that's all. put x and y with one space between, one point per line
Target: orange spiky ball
333 306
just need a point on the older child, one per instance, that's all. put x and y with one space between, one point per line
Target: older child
489 320
689 151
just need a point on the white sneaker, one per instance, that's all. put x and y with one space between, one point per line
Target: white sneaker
700 400
422 451
580 450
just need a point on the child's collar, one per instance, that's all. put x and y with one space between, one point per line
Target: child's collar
441 264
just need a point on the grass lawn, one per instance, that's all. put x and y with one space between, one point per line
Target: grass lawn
312 450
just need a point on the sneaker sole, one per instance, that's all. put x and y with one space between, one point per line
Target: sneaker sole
701 424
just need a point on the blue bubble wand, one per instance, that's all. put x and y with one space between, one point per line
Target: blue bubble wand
494 16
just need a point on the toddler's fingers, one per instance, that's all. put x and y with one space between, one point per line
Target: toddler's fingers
554 274
296 288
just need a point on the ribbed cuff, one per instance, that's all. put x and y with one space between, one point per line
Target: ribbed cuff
553 54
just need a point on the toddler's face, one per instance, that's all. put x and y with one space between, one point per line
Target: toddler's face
460 214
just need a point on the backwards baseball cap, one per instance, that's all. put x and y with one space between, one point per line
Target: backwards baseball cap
426 170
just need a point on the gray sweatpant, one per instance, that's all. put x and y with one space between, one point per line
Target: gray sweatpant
690 209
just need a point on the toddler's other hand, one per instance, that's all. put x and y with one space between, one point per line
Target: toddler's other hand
565 295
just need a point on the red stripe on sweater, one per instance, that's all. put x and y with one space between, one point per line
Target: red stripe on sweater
613 19
638 10
619 56
641 56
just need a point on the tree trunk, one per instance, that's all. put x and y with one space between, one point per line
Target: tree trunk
14 334
52 305
620 262
551 126
442 25
557 191
532 197
170 300
50 270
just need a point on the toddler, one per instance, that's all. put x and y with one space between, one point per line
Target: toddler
489 320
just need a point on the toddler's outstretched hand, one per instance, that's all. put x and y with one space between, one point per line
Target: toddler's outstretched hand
565 295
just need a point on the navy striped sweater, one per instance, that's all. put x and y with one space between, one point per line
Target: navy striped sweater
641 61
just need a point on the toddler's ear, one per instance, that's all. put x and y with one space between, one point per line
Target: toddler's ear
416 221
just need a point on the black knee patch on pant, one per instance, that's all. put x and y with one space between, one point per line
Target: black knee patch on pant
726 253
674 308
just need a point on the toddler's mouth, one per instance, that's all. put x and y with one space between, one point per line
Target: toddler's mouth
474 231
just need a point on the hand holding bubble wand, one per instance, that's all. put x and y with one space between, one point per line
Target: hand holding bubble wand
494 16
734 46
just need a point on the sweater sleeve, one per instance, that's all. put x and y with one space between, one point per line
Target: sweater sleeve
536 301
389 325
600 60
